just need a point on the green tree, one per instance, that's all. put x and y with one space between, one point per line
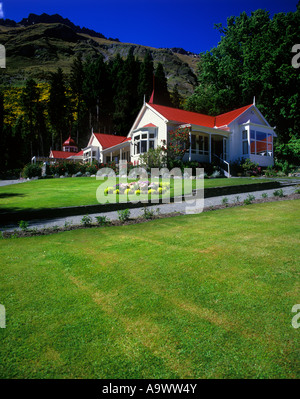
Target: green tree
77 78
29 100
161 92
97 94
145 86
177 99
126 99
253 58
58 108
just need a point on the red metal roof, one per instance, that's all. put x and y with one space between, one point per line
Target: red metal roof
181 116
228 117
194 118
78 154
62 154
70 142
150 125
109 140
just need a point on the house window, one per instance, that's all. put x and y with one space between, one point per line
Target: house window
143 142
143 146
261 143
199 144
245 142
136 145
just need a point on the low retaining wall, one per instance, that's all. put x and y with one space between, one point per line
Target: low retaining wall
242 188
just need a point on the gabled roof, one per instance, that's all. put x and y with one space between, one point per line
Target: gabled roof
109 140
181 116
63 154
194 118
150 125
228 117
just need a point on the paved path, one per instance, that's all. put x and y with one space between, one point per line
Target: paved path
8 182
164 208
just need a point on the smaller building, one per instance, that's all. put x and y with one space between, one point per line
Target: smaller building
106 148
70 146
70 151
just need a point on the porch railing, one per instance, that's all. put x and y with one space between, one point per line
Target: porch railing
222 164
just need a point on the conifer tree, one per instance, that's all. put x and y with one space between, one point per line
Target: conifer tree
29 100
145 87
162 95
58 108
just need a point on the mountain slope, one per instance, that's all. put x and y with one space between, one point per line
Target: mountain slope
35 49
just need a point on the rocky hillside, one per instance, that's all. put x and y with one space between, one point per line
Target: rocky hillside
40 44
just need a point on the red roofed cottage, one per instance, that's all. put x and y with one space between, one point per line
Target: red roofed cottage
241 133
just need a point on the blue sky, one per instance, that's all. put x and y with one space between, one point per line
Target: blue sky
158 23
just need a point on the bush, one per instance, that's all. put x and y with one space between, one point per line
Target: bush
236 167
23 225
270 172
251 168
86 220
278 193
216 174
10 174
124 215
102 220
224 201
264 195
249 199
148 213
154 158
32 170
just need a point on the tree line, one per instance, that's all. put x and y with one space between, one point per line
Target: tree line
105 96
254 59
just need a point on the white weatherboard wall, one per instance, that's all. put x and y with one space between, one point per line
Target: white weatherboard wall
244 122
95 143
148 116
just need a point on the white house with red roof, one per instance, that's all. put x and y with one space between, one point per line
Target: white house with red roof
106 148
242 133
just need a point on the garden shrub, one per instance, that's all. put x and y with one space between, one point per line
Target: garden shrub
102 220
278 193
124 215
154 158
32 170
86 220
249 199
148 213
23 225
224 201
251 168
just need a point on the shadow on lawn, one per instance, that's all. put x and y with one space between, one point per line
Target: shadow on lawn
14 214
8 195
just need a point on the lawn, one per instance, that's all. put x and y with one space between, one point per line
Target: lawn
198 296
54 193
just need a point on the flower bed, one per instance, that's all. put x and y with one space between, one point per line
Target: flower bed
139 187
